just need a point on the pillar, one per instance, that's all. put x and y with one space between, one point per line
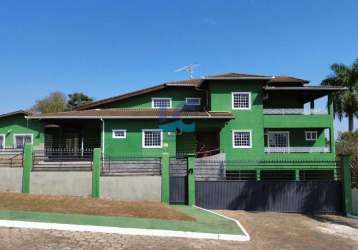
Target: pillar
191 179
165 177
347 185
27 167
96 172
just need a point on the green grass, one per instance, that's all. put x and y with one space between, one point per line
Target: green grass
205 222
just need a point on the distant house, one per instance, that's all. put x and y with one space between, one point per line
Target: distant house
239 116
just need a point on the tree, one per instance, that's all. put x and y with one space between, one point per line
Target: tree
54 102
345 102
347 144
77 99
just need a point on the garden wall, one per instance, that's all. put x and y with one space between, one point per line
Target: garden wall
131 188
61 183
355 200
11 179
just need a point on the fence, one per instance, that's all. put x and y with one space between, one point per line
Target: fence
284 186
113 166
178 180
11 158
62 159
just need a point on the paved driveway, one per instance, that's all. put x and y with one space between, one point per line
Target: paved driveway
267 230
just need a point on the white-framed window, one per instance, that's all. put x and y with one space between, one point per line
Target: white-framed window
241 139
192 101
152 138
278 139
311 135
21 139
119 133
161 103
241 100
2 141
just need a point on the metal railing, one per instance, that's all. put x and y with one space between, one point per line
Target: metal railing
268 170
12 158
122 166
297 150
288 111
62 159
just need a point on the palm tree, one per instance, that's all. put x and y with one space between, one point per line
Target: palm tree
345 103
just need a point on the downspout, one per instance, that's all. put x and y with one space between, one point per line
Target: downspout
103 134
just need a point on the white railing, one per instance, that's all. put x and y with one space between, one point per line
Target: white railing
295 111
297 149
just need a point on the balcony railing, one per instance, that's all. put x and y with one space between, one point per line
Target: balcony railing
295 111
297 149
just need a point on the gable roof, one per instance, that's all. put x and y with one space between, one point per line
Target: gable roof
194 83
120 113
18 112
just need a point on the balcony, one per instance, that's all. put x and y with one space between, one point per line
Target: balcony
286 111
270 150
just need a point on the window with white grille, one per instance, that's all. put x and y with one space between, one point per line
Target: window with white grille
241 100
161 103
192 101
21 139
119 133
2 141
152 138
311 135
241 139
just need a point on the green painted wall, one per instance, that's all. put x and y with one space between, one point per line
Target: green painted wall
17 124
132 145
177 94
220 93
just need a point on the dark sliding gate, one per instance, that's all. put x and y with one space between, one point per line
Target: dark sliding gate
314 191
178 189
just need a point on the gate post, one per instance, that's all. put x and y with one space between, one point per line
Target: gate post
96 172
165 177
27 167
347 184
191 179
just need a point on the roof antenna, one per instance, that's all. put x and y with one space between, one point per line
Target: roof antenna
188 68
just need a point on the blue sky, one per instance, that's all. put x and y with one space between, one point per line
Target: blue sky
104 48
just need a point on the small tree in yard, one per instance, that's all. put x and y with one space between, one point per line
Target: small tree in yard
77 99
54 102
347 143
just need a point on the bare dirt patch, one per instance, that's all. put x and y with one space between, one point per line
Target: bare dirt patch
62 204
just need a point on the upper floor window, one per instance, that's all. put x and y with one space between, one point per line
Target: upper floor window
119 133
21 139
161 103
311 135
2 141
192 101
152 138
241 100
241 139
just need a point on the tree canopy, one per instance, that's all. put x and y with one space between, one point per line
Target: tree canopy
345 103
54 102
77 99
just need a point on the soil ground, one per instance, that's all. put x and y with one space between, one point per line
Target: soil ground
62 204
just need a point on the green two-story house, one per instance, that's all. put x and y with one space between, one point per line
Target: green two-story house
240 117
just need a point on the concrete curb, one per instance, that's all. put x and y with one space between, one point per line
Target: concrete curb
352 216
118 230
223 236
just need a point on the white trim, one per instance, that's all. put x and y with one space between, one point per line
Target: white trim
247 236
239 108
193 98
3 140
162 98
241 130
153 130
119 137
14 138
312 132
119 230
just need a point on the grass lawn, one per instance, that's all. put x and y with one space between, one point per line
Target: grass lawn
98 212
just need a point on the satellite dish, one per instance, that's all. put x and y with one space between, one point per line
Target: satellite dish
188 68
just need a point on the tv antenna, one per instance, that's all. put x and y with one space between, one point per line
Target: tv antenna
188 68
